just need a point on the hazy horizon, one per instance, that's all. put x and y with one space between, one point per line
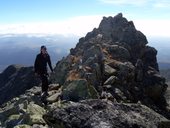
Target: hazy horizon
23 48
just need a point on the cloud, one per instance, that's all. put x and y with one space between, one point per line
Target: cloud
79 26
125 2
162 4
160 28
75 25
151 3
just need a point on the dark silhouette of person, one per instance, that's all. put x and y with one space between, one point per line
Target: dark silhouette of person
40 67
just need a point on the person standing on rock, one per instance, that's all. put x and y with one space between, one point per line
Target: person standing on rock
40 67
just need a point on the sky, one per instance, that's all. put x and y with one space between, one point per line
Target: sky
77 17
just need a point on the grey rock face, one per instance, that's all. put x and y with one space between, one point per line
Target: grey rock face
15 80
103 114
116 45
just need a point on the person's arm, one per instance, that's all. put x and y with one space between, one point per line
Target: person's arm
49 63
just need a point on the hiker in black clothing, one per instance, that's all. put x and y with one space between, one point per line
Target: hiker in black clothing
40 67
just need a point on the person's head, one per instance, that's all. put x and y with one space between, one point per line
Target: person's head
43 49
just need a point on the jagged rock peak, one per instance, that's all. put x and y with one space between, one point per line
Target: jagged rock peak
118 29
119 15
116 22
116 62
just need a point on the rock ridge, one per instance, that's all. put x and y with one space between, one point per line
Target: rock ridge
15 80
115 62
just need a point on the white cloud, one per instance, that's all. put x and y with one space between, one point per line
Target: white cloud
162 4
153 27
125 2
151 3
79 26
76 25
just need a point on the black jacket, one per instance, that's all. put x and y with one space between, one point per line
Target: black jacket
40 65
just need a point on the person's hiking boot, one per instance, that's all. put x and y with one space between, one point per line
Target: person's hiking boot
44 101
44 94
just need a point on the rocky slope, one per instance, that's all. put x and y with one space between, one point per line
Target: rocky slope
27 111
110 79
113 61
103 114
14 80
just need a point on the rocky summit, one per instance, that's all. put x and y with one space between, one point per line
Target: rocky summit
110 79
115 62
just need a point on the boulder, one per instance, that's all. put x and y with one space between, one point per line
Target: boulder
93 51
78 90
111 80
34 114
55 97
149 58
34 109
98 113
54 87
23 114
35 119
23 126
61 70
109 70
12 121
118 52
11 110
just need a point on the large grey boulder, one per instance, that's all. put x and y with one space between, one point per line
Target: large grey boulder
79 90
103 114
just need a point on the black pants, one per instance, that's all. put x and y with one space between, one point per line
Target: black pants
44 80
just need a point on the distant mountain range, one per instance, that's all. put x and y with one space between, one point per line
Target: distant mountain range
164 65
162 44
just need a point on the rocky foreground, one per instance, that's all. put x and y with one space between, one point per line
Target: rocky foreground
27 111
110 79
